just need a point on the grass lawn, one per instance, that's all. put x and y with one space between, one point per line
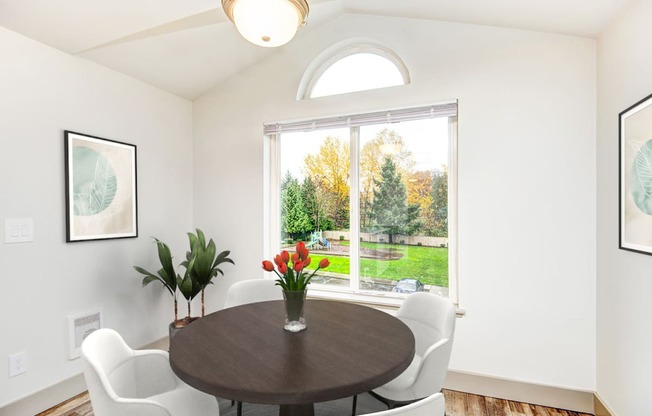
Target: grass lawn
428 264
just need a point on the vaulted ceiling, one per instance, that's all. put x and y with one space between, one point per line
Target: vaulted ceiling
188 46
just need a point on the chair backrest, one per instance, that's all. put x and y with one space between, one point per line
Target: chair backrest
432 321
430 317
250 291
433 405
108 358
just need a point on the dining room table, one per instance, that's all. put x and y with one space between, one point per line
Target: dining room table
243 353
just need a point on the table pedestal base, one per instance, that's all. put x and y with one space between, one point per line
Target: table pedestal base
296 410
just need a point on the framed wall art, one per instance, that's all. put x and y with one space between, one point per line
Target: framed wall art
635 177
101 197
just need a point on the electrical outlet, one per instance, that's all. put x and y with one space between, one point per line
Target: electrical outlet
17 364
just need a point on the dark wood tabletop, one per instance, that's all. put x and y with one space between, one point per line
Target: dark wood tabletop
244 354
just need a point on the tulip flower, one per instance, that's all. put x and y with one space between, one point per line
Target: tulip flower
296 277
268 266
285 257
302 251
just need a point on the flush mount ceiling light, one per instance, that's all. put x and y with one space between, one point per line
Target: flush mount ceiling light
267 22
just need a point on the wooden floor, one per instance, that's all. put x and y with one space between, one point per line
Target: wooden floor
457 404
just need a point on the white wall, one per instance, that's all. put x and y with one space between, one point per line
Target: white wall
42 92
624 279
526 178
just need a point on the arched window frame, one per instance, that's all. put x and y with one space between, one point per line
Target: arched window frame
340 51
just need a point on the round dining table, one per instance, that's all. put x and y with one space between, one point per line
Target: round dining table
244 354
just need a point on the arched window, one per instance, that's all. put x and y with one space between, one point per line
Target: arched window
353 68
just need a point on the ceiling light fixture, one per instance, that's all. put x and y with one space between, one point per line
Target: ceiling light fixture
267 23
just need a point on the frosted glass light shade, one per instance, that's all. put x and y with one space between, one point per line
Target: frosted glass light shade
267 23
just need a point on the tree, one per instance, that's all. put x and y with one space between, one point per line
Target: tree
314 202
294 218
389 209
387 142
329 170
419 192
440 202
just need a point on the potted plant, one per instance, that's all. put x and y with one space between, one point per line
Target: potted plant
206 262
201 266
169 278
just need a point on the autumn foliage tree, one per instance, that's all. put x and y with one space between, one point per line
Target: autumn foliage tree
329 170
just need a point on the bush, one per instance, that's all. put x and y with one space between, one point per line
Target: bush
402 242
419 243
341 238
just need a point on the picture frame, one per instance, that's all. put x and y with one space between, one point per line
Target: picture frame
101 188
635 177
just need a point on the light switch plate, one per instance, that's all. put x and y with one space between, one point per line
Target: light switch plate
17 364
19 230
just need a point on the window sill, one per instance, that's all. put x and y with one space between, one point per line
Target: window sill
386 302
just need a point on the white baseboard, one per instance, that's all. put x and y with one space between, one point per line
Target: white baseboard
51 396
518 391
46 398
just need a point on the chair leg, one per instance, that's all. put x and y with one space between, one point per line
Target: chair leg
380 398
239 412
391 404
355 404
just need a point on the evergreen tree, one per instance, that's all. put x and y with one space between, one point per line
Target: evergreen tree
389 208
440 203
313 204
295 222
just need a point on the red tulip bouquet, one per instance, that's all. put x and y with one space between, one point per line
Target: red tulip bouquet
294 276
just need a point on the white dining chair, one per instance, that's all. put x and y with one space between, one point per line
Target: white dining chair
250 291
431 318
125 382
253 290
433 405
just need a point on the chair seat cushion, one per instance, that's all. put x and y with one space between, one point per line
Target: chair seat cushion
186 401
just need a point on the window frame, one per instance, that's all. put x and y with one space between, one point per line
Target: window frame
272 216
340 51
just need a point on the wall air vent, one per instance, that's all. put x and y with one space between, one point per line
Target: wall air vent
79 326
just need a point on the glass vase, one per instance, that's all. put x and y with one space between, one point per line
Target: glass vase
294 302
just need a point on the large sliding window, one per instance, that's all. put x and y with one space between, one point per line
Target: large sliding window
374 193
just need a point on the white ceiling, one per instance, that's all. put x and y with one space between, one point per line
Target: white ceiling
188 46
